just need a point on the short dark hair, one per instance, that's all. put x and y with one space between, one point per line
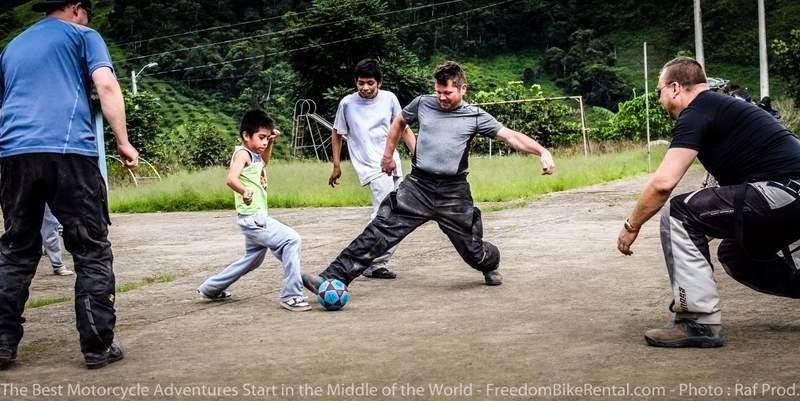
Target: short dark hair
450 71
50 6
684 70
368 68
254 120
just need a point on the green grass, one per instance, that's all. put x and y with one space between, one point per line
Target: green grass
155 279
305 184
121 289
40 302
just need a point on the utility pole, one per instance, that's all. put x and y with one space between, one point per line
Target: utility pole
762 51
698 34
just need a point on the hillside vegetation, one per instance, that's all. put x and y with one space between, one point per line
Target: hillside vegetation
218 58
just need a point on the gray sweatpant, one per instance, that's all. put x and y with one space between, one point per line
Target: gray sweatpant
50 238
263 233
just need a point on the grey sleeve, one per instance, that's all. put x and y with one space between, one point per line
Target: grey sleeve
340 122
486 124
411 111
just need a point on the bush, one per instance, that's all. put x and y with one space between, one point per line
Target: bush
630 123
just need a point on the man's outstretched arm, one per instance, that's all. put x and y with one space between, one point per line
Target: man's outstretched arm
525 144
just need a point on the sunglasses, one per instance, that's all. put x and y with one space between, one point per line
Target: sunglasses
658 90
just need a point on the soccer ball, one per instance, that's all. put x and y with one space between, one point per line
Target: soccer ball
333 294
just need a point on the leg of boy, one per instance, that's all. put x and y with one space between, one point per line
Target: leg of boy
253 257
285 243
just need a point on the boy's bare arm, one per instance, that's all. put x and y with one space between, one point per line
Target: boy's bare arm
267 154
238 164
336 152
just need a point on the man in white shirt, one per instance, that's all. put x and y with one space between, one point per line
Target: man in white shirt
364 118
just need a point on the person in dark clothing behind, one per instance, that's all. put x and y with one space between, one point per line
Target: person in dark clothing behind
437 187
755 210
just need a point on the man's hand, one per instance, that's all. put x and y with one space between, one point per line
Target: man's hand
388 165
336 173
548 165
128 154
625 241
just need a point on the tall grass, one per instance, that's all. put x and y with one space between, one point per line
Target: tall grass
305 184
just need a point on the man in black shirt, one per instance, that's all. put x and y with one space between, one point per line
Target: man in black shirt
755 210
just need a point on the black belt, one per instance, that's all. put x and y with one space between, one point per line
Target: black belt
437 177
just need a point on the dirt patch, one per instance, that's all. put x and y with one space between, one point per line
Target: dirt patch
568 320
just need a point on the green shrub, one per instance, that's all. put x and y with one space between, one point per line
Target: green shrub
630 123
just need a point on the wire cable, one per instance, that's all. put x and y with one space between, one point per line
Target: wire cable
330 43
291 30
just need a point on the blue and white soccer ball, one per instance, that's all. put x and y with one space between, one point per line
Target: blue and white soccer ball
333 294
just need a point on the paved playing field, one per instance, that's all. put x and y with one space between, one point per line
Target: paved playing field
567 323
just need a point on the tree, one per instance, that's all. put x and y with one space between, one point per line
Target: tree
587 69
335 34
787 63
550 123
144 122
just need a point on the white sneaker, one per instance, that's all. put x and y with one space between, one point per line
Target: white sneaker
62 271
296 304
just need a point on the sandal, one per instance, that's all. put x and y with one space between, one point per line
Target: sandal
224 294
296 304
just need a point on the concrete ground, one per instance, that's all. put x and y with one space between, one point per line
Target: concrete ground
566 324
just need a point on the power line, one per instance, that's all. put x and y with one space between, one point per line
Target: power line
329 43
213 28
291 30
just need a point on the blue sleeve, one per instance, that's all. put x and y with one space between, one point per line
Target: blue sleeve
97 55
411 111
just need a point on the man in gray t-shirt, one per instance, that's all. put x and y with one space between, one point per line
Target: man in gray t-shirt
437 187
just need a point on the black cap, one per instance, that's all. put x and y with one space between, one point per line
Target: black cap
47 5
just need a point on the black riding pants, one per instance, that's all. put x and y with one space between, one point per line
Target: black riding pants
75 190
419 198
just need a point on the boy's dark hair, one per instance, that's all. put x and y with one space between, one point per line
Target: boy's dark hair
450 71
253 121
368 68
684 70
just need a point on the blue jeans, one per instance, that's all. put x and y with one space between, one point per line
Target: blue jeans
51 239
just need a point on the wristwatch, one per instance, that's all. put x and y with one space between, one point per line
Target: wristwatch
629 227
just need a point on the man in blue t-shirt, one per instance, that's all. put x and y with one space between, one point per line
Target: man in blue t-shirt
48 156
437 187
755 210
